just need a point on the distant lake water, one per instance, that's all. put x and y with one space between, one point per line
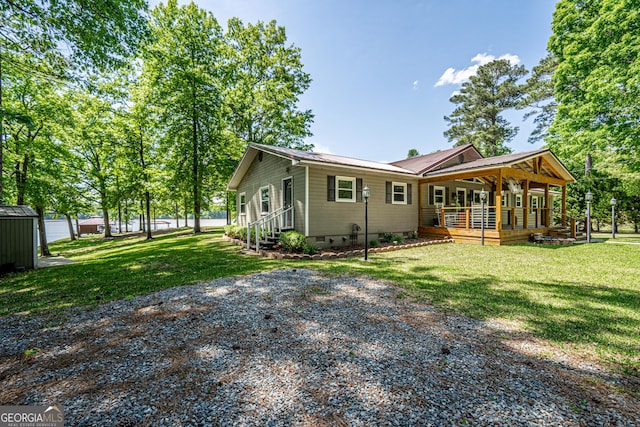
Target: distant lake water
57 228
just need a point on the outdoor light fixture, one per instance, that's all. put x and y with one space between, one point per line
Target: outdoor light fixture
613 217
366 193
588 198
483 199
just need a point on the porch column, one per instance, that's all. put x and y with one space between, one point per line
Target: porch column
564 205
547 211
525 204
499 200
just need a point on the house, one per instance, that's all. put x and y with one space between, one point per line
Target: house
437 195
18 238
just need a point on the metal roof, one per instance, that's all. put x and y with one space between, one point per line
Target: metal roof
17 212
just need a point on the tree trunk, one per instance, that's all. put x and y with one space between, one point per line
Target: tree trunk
177 216
119 216
72 235
107 226
141 217
42 232
21 178
186 211
77 225
1 134
147 197
126 216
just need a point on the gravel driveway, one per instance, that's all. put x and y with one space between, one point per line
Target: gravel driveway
292 347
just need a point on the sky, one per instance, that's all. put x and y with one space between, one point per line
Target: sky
383 71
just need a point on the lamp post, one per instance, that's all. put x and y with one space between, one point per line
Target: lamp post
366 193
483 198
613 217
588 198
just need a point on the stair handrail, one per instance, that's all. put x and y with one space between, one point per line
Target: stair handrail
270 222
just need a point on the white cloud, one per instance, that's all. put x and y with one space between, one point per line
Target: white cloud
320 148
451 76
416 84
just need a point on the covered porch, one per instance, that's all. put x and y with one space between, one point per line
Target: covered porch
525 194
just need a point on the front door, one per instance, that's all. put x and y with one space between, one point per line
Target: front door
287 202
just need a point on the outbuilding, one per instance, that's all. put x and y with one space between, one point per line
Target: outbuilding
18 238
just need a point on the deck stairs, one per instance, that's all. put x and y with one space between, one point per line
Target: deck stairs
265 233
565 233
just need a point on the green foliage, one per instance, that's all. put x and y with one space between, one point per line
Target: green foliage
477 117
310 249
293 241
412 153
413 235
374 243
237 231
390 238
597 44
539 97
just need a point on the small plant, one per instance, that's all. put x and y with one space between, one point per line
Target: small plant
292 241
396 238
310 249
413 235
387 237
374 243
31 352
236 231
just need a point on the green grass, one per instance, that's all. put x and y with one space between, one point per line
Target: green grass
582 298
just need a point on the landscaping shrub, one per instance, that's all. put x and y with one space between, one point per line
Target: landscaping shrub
292 241
397 238
387 237
413 235
310 249
374 243
236 231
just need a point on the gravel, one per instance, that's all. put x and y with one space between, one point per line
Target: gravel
293 348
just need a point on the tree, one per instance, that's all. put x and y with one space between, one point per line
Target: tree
477 118
597 83
412 153
48 38
267 80
539 97
185 64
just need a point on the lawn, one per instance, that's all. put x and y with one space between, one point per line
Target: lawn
584 298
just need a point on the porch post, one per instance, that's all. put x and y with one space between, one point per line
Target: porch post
498 199
525 204
547 211
564 205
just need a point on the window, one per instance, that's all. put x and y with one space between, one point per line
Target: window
461 197
518 200
346 189
533 204
439 195
476 197
399 193
505 199
243 203
264 200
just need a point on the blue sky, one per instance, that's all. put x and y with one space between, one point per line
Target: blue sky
376 65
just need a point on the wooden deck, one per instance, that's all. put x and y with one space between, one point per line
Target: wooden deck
473 235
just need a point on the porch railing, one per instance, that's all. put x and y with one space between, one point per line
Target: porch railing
470 217
267 226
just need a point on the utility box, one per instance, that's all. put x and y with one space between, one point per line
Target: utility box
18 238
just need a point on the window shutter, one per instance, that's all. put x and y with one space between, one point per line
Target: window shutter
431 202
490 198
388 195
331 188
358 189
446 196
408 194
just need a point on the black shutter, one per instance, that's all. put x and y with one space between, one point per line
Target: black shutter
331 188
431 203
388 193
446 196
409 194
358 189
490 198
